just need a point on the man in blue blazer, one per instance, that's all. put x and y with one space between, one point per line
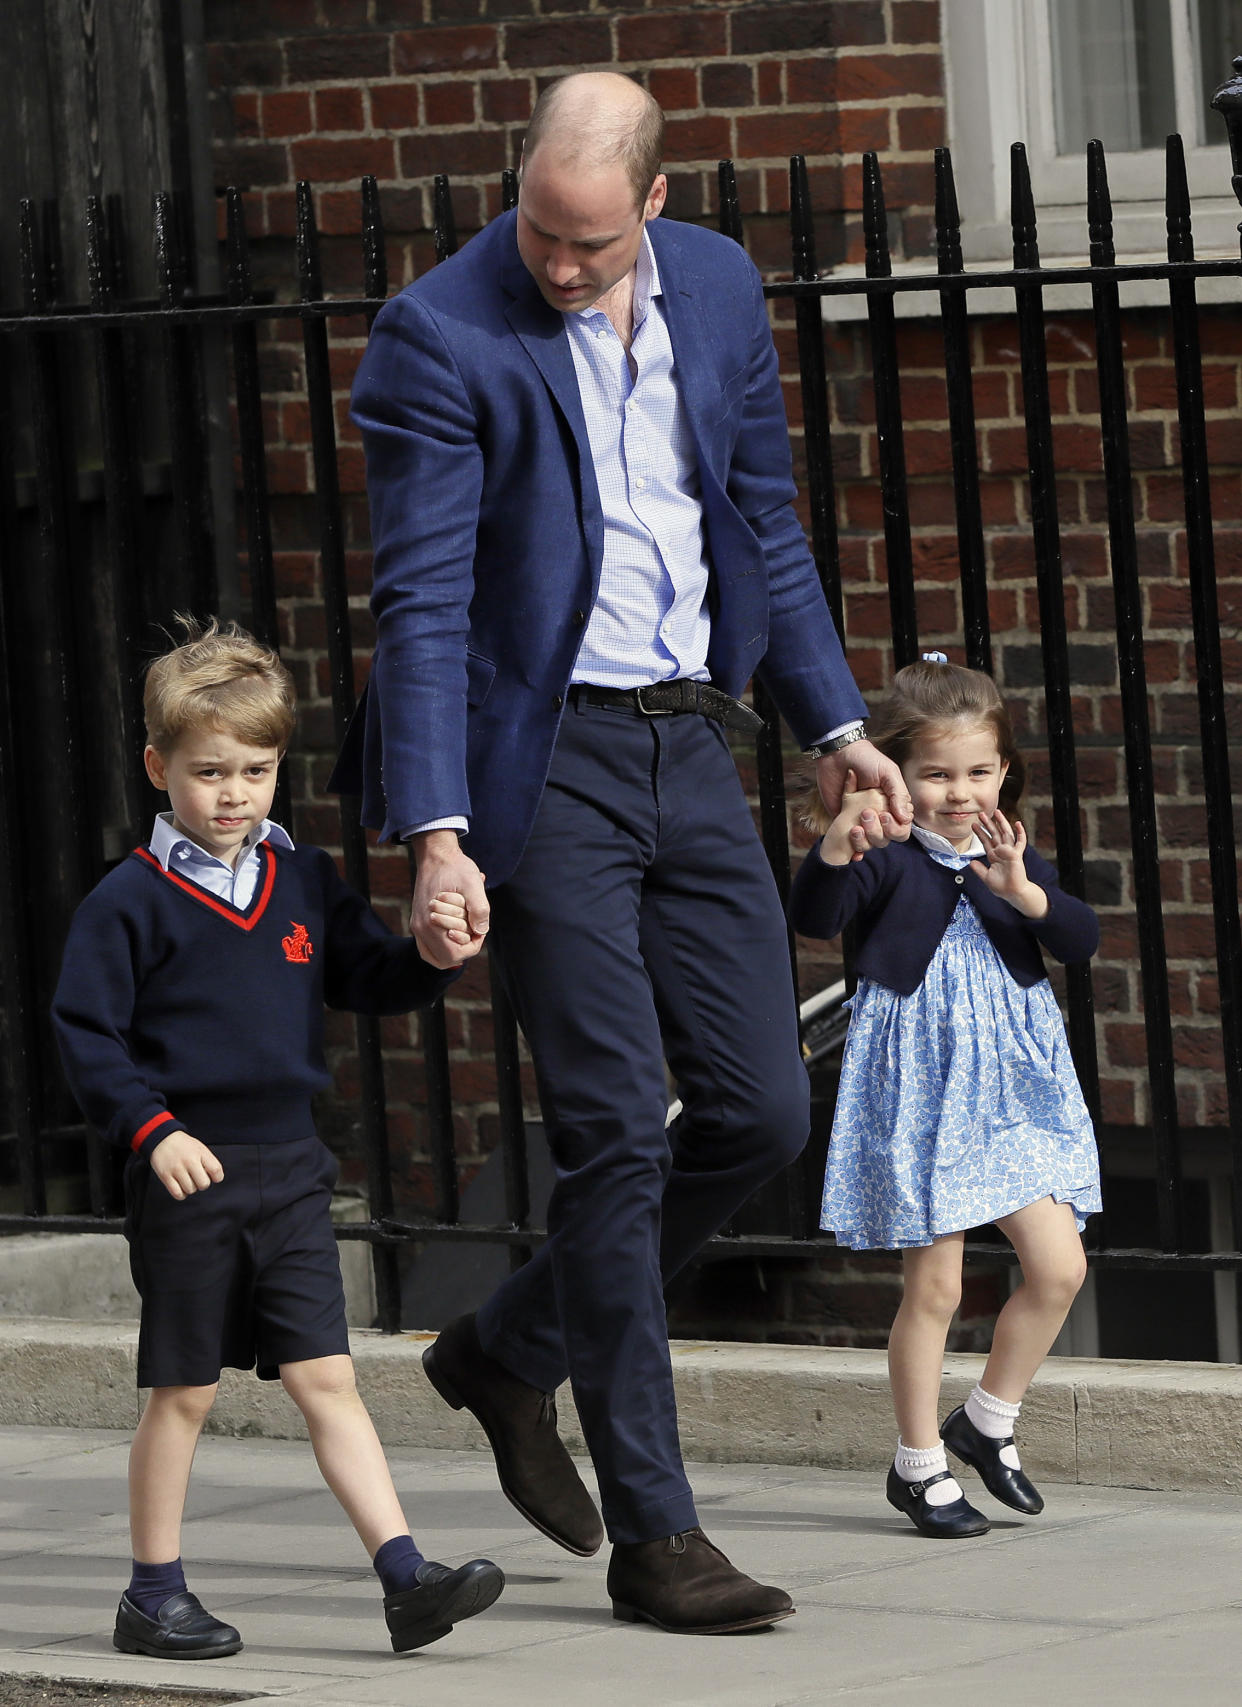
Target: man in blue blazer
581 500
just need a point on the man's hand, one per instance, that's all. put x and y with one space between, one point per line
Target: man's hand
444 870
1005 872
183 1165
862 823
871 770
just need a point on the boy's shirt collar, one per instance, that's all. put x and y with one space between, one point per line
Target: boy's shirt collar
169 846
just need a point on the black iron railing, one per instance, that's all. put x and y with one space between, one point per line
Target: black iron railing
79 595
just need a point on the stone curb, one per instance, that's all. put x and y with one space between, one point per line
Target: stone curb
1112 1424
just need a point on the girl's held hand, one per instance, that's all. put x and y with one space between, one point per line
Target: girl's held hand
863 822
1005 872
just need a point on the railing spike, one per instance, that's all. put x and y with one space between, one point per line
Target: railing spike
167 253
374 244
508 189
1099 207
1022 210
1181 243
238 247
310 278
442 218
949 257
34 297
801 220
730 208
875 219
98 272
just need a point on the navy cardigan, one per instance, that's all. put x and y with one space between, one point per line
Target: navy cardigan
903 901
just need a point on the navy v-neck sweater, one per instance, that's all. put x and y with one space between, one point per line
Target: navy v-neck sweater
178 1012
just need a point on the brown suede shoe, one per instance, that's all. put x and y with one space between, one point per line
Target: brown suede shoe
536 1473
686 1585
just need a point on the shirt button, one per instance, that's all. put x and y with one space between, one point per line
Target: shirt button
641 484
557 701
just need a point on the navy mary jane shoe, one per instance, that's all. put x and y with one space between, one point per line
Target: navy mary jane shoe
952 1522
983 1453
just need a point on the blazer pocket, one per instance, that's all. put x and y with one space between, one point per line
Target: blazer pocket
480 674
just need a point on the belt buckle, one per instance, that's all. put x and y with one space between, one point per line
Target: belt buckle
651 710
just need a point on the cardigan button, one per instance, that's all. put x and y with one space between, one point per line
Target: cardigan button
960 878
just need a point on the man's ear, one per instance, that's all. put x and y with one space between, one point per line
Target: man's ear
154 762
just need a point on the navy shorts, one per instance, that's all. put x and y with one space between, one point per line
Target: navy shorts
245 1273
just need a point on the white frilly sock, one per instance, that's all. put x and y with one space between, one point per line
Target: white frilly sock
996 1418
916 1465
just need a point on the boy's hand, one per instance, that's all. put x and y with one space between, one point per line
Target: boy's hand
1005 873
183 1165
442 870
447 913
863 822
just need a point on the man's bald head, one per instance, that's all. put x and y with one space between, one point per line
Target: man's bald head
597 119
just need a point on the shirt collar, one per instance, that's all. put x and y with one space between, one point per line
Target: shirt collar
646 286
936 843
167 842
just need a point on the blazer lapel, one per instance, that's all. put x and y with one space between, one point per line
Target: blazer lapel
539 330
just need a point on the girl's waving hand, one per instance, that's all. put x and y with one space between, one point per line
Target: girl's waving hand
1005 872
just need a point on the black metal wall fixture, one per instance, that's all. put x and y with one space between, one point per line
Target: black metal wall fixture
139 528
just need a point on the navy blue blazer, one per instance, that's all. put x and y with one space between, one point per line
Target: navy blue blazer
903 902
488 531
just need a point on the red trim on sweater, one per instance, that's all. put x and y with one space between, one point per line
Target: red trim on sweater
144 1132
244 921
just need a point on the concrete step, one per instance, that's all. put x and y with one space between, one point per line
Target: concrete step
1105 1423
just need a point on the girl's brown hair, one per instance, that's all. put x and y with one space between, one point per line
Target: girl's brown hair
927 698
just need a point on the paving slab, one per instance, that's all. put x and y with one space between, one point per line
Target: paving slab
1114 1595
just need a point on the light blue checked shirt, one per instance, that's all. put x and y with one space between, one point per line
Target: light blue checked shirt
650 621
234 884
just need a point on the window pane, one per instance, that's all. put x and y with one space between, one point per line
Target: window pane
1219 24
1112 73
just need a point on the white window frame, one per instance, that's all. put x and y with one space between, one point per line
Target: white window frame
998 72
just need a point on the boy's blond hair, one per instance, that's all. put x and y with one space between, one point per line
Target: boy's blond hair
220 677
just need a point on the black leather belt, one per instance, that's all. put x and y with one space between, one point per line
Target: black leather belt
667 699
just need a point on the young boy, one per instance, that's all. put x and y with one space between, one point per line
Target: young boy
189 1015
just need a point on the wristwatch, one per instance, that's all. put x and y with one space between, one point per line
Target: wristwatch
834 744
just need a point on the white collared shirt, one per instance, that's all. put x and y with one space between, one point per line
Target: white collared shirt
935 843
234 884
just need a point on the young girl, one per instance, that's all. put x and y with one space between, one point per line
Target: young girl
958 1103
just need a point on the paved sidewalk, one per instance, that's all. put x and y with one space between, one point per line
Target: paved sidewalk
1113 1596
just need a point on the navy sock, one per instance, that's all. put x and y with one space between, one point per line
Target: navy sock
396 1564
151 1585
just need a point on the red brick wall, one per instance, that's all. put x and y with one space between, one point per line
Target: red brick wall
409 88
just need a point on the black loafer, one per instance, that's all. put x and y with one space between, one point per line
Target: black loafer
182 1629
440 1598
536 1472
982 1453
945 1522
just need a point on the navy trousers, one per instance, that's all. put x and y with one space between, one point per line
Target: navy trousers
641 926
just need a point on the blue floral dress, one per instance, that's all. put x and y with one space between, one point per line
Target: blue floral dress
958 1103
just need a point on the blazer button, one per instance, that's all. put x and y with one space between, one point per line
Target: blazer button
558 701
579 618
960 878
